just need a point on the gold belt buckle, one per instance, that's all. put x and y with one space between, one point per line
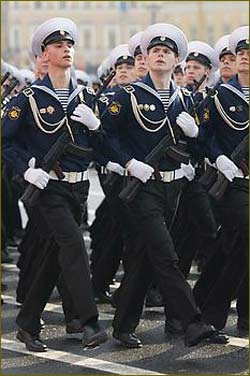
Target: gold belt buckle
72 177
168 176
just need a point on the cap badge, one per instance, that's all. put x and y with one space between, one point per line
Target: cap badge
62 32
247 41
146 107
232 108
196 54
125 57
152 107
162 39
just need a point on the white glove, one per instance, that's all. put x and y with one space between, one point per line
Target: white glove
36 176
83 114
187 123
189 171
226 167
115 167
140 170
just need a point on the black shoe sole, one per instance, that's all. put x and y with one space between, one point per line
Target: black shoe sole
128 345
95 340
196 342
20 338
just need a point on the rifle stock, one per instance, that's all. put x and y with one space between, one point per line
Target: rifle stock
219 187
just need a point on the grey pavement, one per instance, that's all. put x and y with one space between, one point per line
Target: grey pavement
159 354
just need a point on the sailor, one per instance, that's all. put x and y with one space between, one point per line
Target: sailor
137 119
31 126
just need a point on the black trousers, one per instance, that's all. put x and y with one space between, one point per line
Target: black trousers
233 276
153 210
59 205
107 237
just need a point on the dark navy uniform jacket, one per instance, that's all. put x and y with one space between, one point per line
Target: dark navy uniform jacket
22 137
127 138
225 119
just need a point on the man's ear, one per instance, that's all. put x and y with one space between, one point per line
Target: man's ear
46 54
208 72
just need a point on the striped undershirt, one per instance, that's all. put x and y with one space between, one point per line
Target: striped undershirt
245 90
63 96
164 94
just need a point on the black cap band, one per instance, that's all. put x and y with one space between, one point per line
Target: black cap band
202 59
178 69
57 36
242 45
125 59
163 41
137 51
224 52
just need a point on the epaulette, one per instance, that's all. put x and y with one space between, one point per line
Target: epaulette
90 90
28 92
129 89
185 91
104 99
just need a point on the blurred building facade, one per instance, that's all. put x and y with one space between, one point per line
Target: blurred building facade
104 24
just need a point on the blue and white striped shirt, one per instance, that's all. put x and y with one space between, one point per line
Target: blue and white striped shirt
63 95
164 94
245 90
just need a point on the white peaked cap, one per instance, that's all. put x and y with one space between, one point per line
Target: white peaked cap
27 74
134 42
204 49
238 35
213 78
221 44
83 76
49 27
117 52
165 30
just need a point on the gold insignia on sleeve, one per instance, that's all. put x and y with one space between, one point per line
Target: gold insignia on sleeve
206 115
50 110
114 108
14 113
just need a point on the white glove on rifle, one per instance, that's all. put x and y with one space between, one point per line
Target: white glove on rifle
83 114
189 171
187 123
226 167
115 167
36 176
139 170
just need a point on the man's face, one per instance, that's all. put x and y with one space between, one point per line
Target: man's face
141 66
242 61
180 79
60 54
227 66
125 74
161 59
41 65
194 71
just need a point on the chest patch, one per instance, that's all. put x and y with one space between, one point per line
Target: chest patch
14 113
114 108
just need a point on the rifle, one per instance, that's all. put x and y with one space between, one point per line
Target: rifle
9 89
50 161
238 156
129 192
5 77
